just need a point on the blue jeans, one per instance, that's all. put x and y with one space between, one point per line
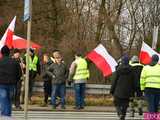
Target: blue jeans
79 94
58 90
153 101
6 94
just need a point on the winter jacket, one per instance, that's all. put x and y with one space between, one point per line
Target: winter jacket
10 71
137 68
45 74
59 73
123 85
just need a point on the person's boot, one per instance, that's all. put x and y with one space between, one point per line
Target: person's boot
132 111
122 117
118 111
140 111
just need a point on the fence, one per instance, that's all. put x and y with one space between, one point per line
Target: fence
90 88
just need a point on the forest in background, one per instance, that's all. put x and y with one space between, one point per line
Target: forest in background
80 25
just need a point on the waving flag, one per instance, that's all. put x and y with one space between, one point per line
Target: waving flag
8 35
21 43
101 58
146 54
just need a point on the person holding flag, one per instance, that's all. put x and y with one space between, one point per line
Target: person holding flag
123 87
10 73
150 83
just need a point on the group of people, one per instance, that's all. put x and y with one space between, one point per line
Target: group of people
54 72
12 72
132 81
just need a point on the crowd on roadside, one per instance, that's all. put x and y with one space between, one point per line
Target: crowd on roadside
53 71
132 80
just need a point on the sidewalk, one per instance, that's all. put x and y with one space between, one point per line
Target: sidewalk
71 108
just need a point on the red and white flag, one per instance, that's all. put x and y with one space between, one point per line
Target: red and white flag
8 35
21 43
146 54
101 58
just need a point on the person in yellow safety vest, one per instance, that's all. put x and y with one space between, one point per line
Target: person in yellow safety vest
137 99
34 68
79 73
150 83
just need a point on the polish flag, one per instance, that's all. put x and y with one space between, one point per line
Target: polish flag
8 35
146 54
101 58
21 43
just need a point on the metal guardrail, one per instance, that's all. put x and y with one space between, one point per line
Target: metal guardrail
90 88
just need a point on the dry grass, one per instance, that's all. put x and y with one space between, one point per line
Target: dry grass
91 100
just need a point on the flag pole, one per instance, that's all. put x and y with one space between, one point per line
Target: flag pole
27 61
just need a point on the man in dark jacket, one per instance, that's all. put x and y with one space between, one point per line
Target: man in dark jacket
59 73
10 73
16 56
137 68
46 78
123 87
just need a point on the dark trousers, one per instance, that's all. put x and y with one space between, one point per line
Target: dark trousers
47 90
17 93
121 106
153 100
79 94
32 75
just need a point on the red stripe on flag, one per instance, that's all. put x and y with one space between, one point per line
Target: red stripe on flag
144 57
9 39
100 62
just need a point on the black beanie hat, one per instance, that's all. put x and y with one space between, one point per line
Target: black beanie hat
155 58
5 50
125 59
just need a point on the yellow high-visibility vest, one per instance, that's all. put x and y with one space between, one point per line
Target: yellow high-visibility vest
33 63
82 71
150 77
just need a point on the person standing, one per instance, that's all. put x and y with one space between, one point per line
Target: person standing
138 98
59 73
79 73
10 73
46 78
34 68
150 84
123 87
16 56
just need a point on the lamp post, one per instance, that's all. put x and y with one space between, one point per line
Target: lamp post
28 15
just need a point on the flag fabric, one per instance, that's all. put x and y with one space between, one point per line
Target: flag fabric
8 35
146 54
21 43
103 60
